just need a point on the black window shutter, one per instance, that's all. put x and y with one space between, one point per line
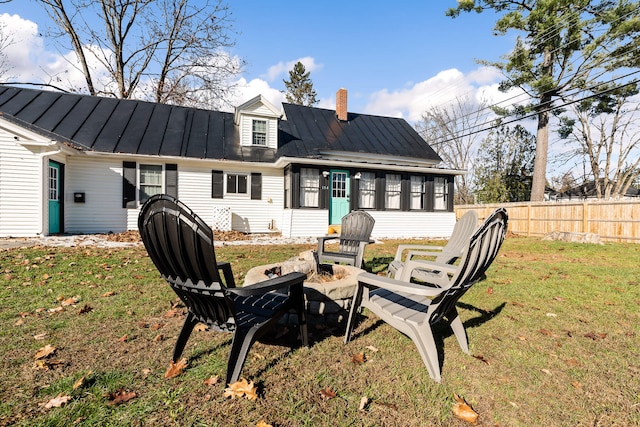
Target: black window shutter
451 185
171 179
325 191
128 184
405 192
295 186
217 184
256 186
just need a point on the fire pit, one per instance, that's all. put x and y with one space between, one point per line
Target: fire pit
328 289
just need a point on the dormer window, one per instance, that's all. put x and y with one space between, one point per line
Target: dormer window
259 132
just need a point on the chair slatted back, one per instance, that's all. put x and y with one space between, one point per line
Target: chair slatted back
356 227
482 249
180 244
460 235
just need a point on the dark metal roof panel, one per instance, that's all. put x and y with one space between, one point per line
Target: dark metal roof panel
109 137
56 113
135 129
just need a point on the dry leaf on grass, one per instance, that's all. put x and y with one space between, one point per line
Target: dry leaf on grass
372 348
327 393
262 423
463 411
241 388
87 308
212 380
481 357
45 351
120 396
201 327
175 369
123 338
363 403
358 359
57 402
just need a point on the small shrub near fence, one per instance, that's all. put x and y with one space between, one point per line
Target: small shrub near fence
613 221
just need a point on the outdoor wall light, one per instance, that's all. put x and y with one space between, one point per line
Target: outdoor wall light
325 173
358 175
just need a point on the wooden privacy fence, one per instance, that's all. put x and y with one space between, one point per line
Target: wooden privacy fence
613 221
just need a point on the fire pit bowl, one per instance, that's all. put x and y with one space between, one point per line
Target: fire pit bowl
328 289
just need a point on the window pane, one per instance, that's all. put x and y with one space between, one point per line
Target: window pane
339 184
417 192
440 193
393 187
367 190
150 181
259 132
309 187
237 183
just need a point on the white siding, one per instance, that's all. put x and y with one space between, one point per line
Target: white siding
101 181
250 216
305 222
21 189
396 224
389 224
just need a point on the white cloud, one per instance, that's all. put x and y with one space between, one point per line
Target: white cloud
248 90
282 68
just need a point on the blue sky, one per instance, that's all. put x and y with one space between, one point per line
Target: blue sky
394 58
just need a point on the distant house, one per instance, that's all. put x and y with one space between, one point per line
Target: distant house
81 164
587 191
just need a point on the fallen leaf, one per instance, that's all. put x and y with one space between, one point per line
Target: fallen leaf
57 402
327 393
481 358
577 384
364 400
262 423
358 359
547 333
173 313
387 405
175 369
595 336
559 299
85 309
572 362
123 338
489 290
158 338
212 380
56 309
157 326
45 351
19 322
241 388
80 381
201 327
463 411
372 348
108 294
70 301
120 396
40 336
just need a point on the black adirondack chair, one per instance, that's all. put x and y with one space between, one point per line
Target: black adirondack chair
180 245
414 308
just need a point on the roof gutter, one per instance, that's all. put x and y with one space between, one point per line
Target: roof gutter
285 161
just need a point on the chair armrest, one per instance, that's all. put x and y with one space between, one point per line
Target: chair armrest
229 281
429 266
373 280
402 248
291 279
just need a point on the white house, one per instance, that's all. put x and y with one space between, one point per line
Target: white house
81 164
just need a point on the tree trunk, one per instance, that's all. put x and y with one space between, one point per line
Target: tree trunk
542 147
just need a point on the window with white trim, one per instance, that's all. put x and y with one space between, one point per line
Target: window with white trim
393 190
237 183
150 178
416 201
309 187
440 193
367 197
259 132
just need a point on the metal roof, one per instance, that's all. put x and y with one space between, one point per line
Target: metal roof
110 125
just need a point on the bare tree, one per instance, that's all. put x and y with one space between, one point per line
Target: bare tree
6 40
170 51
449 131
607 137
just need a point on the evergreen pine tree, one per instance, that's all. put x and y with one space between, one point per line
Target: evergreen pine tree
300 87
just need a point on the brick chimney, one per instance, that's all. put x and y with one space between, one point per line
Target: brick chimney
341 104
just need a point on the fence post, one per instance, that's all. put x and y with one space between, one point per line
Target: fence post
529 220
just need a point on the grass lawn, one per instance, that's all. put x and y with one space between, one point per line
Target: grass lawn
554 331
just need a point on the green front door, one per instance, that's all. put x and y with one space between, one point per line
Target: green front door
339 203
55 208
